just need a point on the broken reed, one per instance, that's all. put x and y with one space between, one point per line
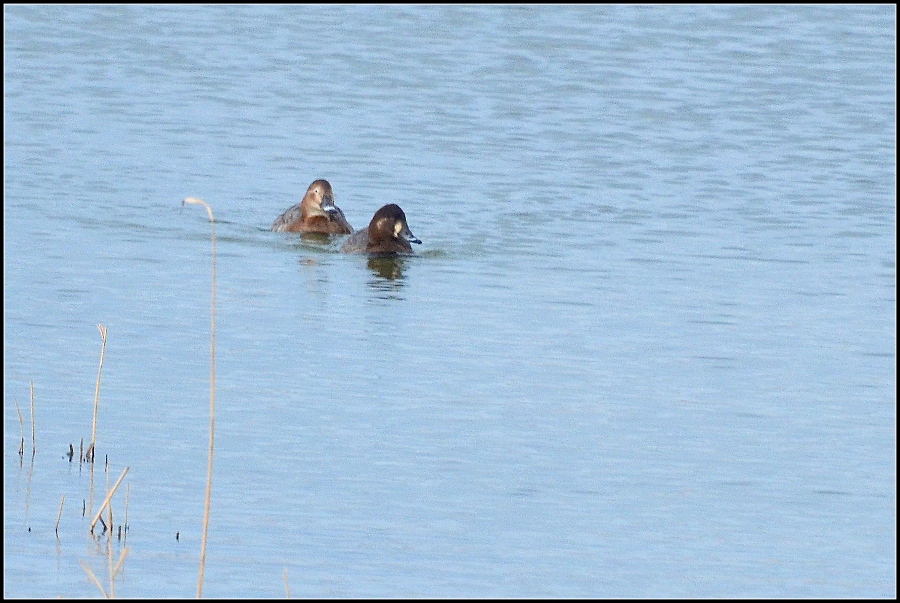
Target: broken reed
212 392
108 496
114 567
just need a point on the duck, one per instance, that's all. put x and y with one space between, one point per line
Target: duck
387 233
315 213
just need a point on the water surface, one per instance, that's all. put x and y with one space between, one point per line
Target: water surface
647 348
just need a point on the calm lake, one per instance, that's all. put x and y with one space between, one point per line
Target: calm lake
646 349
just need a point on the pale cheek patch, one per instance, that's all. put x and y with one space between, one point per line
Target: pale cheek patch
398 226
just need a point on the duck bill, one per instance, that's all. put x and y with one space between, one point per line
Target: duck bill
328 205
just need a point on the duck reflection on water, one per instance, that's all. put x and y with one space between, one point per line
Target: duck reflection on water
387 266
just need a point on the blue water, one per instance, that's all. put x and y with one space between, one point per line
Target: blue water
647 348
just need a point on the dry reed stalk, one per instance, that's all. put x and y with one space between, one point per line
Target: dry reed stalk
22 428
121 560
91 486
33 441
92 448
93 578
114 567
59 516
109 547
108 496
287 589
212 393
127 497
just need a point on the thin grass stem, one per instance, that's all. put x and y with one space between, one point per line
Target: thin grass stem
33 438
59 515
22 428
212 394
93 446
